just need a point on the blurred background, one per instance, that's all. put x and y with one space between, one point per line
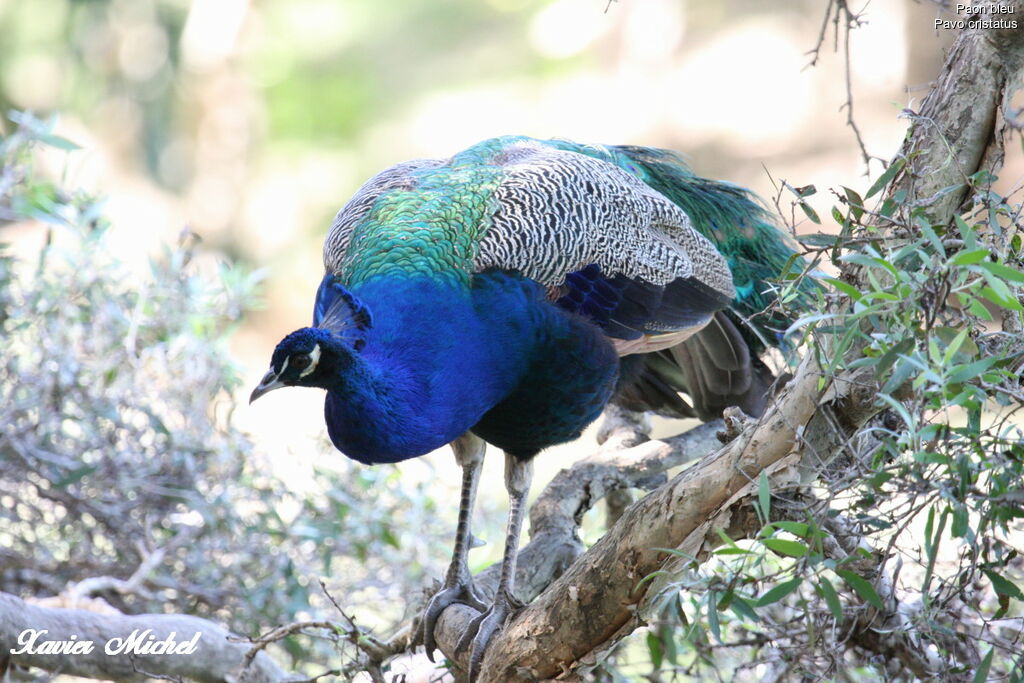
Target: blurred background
252 121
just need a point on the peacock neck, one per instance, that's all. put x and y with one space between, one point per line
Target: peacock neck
438 356
430 229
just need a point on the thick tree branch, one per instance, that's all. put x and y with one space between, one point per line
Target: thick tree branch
219 658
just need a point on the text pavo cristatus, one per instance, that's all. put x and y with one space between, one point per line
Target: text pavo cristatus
508 293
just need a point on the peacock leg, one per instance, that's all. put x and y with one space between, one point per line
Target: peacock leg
458 582
518 474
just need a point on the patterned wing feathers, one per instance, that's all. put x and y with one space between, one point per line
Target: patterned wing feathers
559 211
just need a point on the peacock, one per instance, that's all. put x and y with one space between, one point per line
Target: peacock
506 295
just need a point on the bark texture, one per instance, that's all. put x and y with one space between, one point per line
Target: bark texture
960 126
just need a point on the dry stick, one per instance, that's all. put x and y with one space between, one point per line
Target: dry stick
852 20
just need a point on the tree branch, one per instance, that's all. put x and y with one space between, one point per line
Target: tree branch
217 659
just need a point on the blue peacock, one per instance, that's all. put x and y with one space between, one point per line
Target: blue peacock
507 294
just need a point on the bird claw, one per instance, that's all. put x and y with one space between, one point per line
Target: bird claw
483 628
463 593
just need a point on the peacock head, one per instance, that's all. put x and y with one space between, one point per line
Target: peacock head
310 357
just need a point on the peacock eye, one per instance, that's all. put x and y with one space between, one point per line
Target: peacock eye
299 362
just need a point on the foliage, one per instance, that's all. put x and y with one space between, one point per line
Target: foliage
916 533
118 457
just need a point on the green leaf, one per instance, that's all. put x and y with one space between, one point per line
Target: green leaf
655 650
818 239
886 177
968 349
713 624
731 551
810 212
960 527
888 207
983 177
862 587
903 371
808 320
1003 271
785 547
931 546
966 232
795 528
58 142
1003 586
725 538
899 409
668 643
969 257
954 346
856 203
780 591
871 262
764 496
828 591
998 293
742 609
963 373
844 287
928 232
981 675
978 309
890 356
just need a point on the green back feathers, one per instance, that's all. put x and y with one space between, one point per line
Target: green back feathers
431 227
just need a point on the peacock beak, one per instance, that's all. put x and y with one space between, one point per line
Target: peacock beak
266 385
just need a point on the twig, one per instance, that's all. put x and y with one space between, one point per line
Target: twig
836 11
279 633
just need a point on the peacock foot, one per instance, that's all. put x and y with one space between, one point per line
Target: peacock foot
459 591
483 628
